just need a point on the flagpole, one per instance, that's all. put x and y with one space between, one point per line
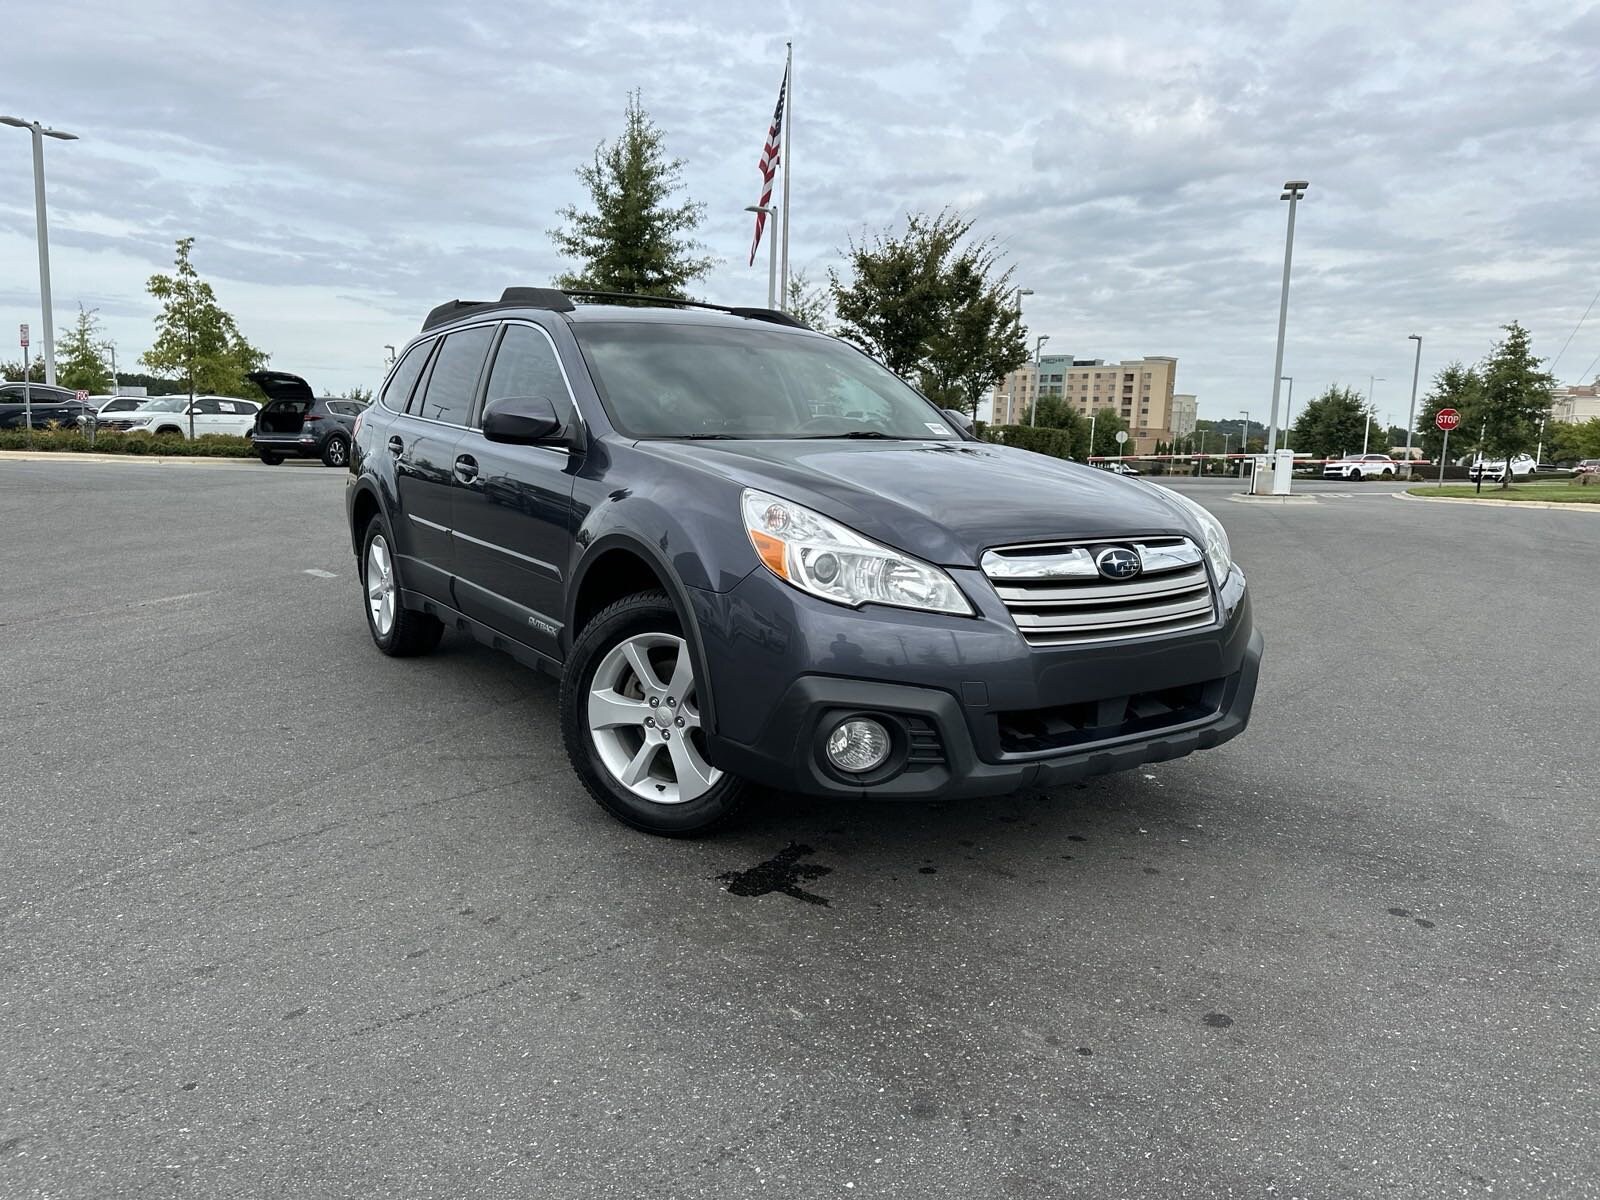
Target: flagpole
788 124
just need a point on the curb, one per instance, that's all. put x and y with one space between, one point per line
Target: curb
1547 505
74 456
1248 499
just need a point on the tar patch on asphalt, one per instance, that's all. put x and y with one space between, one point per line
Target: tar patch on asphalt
783 872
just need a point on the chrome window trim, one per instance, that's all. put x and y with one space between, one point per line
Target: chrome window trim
383 388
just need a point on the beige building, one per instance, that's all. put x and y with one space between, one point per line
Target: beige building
1578 403
1140 389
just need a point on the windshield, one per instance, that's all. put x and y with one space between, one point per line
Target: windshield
679 380
172 404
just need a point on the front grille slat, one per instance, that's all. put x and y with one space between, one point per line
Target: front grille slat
1054 602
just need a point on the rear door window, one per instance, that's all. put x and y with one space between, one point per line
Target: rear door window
526 365
453 383
404 377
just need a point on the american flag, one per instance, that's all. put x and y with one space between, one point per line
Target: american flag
769 163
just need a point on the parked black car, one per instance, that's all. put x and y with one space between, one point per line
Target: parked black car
750 553
50 406
298 424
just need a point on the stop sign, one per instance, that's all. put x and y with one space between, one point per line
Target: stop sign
1447 419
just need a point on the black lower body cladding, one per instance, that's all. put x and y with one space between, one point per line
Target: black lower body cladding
969 707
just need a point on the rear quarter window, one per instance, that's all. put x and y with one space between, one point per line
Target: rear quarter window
404 377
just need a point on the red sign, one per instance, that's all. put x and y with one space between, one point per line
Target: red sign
1447 419
80 394
24 337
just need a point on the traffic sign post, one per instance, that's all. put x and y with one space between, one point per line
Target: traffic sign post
1122 439
1446 419
27 392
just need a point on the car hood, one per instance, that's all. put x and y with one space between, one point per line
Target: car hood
945 502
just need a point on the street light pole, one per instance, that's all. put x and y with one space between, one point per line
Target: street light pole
1288 410
1244 439
772 248
1366 431
1038 357
1411 419
1292 191
41 132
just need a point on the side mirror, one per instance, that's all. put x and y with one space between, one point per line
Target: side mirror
521 421
960 418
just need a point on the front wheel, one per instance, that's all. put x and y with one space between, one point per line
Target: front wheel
1355 476
630 718
336 451
398 631
271 459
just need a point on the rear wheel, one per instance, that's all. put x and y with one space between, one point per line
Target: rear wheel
630 718
1387 472
336 451
1355 474
271 459
398 631
169 429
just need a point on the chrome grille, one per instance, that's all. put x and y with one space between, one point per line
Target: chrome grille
1058 597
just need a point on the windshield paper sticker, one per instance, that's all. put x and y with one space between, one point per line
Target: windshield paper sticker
937 429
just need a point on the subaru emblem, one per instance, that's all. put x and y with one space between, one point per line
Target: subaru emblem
1118 562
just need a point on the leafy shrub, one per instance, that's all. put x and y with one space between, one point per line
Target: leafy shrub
210 445
1042 439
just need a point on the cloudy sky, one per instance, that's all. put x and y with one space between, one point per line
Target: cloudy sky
344 166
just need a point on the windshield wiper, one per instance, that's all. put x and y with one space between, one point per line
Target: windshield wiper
707 437
855 433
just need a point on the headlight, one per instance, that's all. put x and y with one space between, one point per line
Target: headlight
1218 552
822 557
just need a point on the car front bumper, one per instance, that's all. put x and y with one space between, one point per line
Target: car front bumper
960 696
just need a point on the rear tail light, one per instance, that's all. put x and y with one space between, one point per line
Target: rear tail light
310 417
356 430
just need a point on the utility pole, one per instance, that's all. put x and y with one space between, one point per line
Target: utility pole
39 133
1292 191
1411 419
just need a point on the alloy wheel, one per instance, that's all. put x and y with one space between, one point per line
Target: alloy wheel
380 585
644 720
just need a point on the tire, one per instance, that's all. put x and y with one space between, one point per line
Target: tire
602 679
1387 473
396 630
1354 476
169 429
271 459
336 451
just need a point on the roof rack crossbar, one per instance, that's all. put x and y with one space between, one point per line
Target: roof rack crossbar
754 314
557 300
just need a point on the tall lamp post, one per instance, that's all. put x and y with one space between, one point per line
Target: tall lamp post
1288 410
1292 191
1038 350
1411 418
40 132
1244 438
1366 431
772 247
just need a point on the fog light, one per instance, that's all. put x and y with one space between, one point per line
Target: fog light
858 744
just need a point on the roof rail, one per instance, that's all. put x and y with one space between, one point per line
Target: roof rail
753 314
557 300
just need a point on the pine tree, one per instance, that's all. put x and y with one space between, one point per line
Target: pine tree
635 239
1515 398
80 362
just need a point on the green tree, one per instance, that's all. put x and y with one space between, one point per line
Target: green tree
1456 387
933 306
360 395
1515 397
636 239
80 361
1107 421
808 305
1053 412
197 341
1566 440
13 371
1335 423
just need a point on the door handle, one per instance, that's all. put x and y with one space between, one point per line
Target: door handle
396 446
466 468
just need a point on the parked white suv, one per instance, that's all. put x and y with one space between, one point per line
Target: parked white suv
1361 466
1522 466
170 414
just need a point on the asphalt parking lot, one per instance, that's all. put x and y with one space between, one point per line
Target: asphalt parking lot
284 917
